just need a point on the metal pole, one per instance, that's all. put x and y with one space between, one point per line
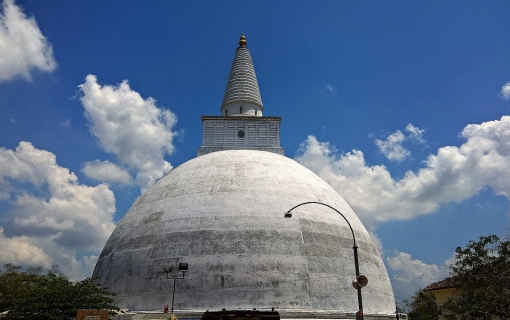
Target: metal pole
173 296
356 265
359 314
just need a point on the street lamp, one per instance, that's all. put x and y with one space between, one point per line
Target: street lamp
183 267
360 280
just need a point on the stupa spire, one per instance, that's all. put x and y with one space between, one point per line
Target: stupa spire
241 125
242 40
242 95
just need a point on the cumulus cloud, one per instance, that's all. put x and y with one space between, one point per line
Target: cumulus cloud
392 147
22 45
505 91
452 175
107 171
50 216
134 129
413 274
415 133
22 250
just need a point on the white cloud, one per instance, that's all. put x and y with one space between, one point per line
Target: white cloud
505 91
51 216
330 88
415 133
413 274
107 171
392 147
22 45
135 130
452 175
22 250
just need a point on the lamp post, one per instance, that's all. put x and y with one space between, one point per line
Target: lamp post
183 267
360 280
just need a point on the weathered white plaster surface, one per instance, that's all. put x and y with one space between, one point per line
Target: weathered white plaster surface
223 214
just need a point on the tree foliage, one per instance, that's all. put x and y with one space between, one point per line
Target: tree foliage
15 283
422 306
51 296
482 271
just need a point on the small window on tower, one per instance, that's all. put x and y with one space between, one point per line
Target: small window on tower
226 112
241 109
256 112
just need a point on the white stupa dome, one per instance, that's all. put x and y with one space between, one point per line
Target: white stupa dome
223 214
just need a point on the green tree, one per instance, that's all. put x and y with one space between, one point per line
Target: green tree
482 271
15 283
422 306
49 296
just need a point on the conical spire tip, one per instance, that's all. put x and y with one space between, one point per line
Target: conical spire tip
242 40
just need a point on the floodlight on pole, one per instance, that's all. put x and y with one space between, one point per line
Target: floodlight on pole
183 267
360 280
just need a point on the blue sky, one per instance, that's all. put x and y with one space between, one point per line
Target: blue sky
401 106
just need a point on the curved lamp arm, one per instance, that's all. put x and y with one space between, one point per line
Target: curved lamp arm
288 215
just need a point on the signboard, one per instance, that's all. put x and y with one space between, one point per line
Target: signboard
92 315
